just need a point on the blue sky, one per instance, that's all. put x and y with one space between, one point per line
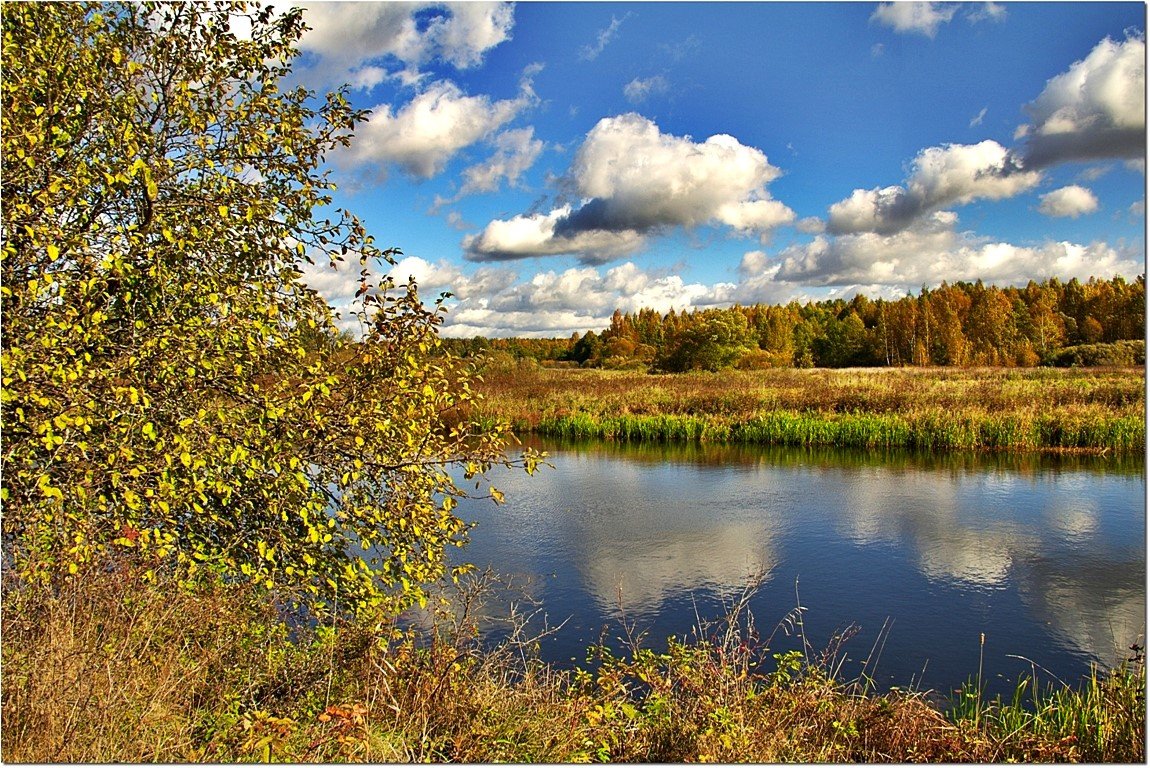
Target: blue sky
550 162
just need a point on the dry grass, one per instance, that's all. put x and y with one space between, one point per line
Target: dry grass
940 408
107 669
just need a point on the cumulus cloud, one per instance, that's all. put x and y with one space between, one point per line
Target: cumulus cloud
364 44
1096 109
940 176
337 282
811 225
491 302
639 90
633 179
933 250
537 234
423 135
1072 201
515 152
923 18
960 173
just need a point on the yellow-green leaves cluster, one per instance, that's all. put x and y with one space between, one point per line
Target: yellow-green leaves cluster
171 392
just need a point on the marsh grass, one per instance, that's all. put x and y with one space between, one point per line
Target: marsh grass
108 669
932 409
1100 721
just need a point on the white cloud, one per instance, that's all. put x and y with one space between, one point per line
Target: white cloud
811 225
940 176
987 12
755 215
1095 172
959 173
680 50
438 277
493 300
642 177
560 303
1072 201
428 131
869 210
923 18
1096 109
633 179
455 220
535 235
977 119
639 90
926 17
337 284
515 152
591 52
362 43
932 250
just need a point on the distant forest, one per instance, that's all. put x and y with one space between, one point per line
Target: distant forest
1099 322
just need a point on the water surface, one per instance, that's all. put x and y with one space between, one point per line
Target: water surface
1043 555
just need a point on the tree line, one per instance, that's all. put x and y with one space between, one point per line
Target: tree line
1097 322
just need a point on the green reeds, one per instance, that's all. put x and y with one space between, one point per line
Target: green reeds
931 430
1100 721
940 409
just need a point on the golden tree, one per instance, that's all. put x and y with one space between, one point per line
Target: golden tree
163 395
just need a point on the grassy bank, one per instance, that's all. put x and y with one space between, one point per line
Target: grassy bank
940 408
106 669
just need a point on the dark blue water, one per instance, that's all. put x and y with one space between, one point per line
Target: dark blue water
1044 556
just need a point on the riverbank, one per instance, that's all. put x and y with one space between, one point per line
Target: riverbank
109 669
1035 409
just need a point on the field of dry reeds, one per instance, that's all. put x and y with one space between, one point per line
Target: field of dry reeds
1092 410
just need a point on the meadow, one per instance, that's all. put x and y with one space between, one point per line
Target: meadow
1018 409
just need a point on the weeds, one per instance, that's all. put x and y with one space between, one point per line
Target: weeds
934 409
109 669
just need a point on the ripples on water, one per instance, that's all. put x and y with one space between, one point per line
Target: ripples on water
1045 555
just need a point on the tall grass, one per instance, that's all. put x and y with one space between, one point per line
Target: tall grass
109 669
936 409
1100 721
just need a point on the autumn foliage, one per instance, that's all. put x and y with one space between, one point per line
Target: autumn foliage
166 395
964 324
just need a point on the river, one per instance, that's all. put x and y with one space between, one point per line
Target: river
937 562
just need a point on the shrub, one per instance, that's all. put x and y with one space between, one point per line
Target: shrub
1117 354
